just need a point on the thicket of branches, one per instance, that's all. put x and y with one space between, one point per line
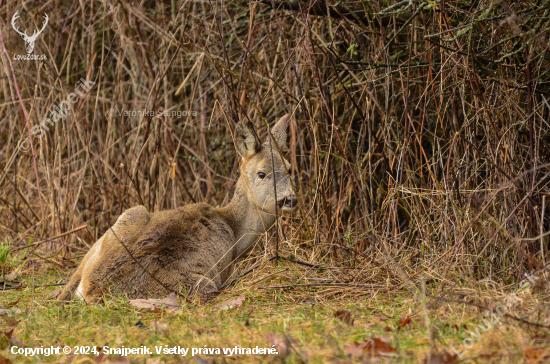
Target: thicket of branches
420 142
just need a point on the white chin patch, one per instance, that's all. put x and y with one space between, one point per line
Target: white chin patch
286 208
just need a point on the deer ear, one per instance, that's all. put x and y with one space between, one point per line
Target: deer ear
279 132
246 140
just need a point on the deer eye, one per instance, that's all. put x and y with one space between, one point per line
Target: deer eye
261 175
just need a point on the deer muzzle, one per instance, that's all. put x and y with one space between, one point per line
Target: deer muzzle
288 203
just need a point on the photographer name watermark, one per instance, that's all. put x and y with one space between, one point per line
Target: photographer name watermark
158 112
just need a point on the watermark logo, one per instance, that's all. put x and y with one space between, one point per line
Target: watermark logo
29 40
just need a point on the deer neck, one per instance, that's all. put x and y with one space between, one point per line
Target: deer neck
247 221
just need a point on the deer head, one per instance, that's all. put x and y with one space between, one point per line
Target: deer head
262 163
29 40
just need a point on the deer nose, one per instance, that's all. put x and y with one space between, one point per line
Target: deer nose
291 201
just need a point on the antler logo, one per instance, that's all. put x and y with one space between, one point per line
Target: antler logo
29 40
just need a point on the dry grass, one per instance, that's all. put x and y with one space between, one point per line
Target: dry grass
421 143
302 318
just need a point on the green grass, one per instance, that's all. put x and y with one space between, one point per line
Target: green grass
302 319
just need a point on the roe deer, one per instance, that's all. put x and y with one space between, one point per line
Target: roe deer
194 246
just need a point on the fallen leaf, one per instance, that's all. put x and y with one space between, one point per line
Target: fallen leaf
4 360
16 342
5 338
159 326
11 304
355 349
7 311
158 312
404 321
407 320
169 303
388 329
374 347
282 346
536 355
232 303
54 294
8 334
11 321
441 358
456 327
11 276
344 316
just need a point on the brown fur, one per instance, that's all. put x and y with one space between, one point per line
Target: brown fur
195 246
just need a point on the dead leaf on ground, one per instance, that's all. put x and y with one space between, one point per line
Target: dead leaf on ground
407 320
11 304
282 345
16 342
537 355
11 276
169 303
344 316
11 321
54 294
376 346
232 303
8 334
4 360
7 311
441 358
5 338
456 327
159 326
